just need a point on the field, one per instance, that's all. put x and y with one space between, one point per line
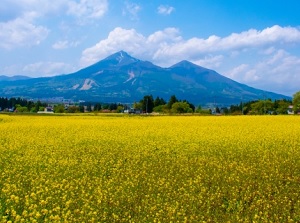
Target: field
90 168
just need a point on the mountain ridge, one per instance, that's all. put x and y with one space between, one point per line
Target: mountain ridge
123 78
13 78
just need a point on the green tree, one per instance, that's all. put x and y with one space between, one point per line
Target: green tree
113 106
29 105
199 108
191 105
159 101
97 107
147 103
161 108
59 108
20 108
202 111
120 109
296 102
105 106
137 105
38 104
89 107
262 107
181 107
281 106
33 110
81 108
73 109
235 109
225 110
172 100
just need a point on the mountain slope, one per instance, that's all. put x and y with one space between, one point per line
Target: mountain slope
122 78
13 78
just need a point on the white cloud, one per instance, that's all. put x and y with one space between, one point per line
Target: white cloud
278 72
17 8
252 37
132 9
88 8
118 39
60 45
131 41
20 18
236 41
47 69
165 9
21 32
237 71
167 46
269 50
165 36
79 8
210 61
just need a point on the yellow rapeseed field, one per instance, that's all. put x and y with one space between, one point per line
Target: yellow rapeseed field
90 168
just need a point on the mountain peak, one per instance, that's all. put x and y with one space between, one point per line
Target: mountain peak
185 64
120 53
121 58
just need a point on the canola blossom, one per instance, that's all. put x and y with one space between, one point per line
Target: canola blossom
90 168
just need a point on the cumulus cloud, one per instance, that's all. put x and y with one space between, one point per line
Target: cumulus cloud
118 39
267 36
21 32
235 72
165 9
131 41
166 46
211 61
19 26
164 36
278 72
236 41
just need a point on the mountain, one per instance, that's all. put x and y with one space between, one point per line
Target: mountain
13 78
122 78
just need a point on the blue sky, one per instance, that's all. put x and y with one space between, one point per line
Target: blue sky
256 42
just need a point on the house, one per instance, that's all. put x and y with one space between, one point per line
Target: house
47 110
132 111
291 111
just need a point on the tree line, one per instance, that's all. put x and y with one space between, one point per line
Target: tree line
21 105
148 105
260 107
174 105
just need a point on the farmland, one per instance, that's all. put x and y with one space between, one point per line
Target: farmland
90 168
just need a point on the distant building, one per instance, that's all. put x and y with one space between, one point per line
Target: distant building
290 110
47 110
132 111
